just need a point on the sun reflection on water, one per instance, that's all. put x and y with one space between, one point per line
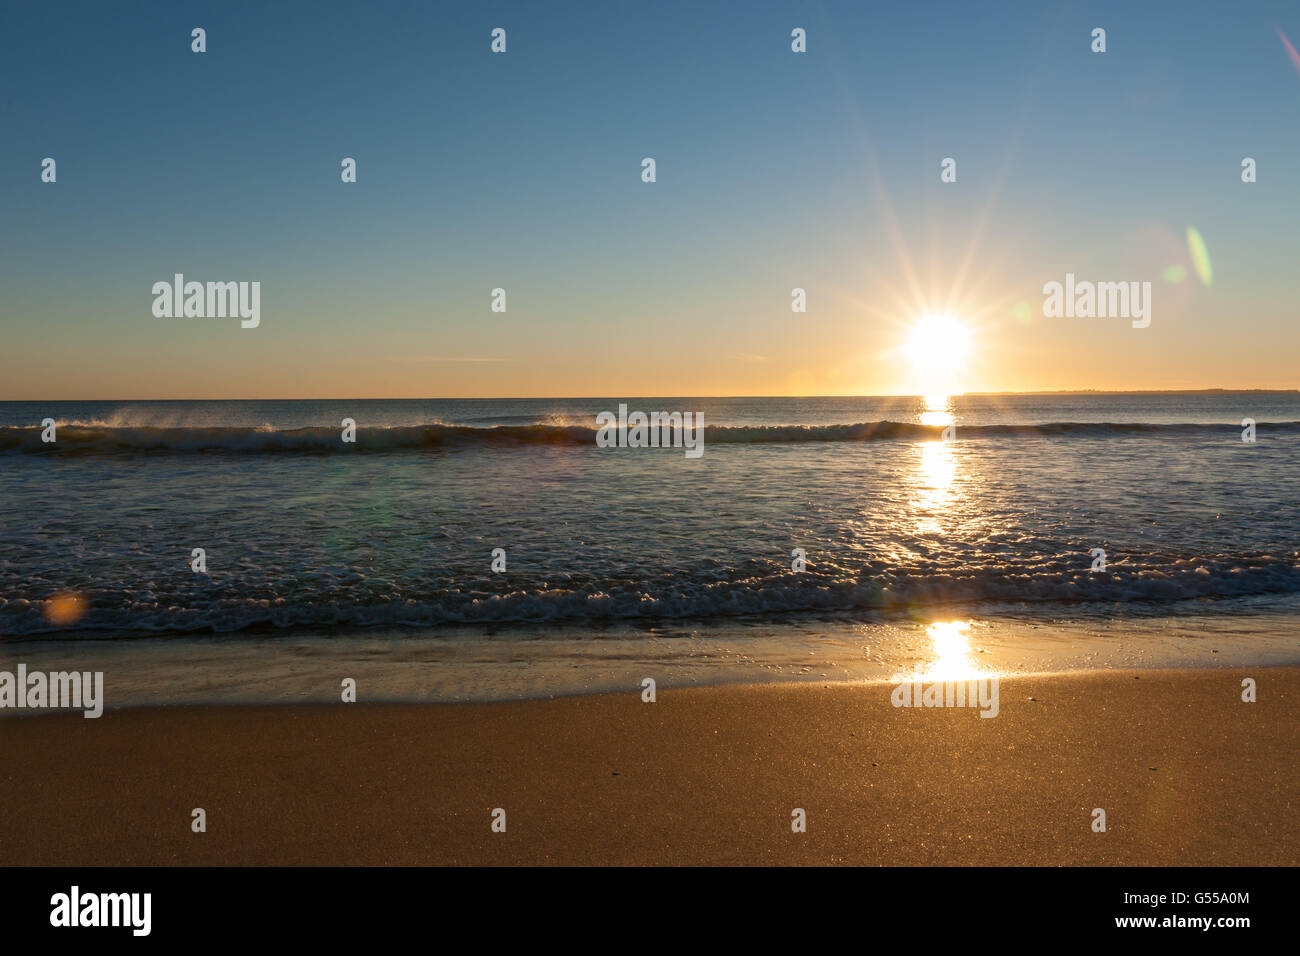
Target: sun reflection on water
936 470
937 410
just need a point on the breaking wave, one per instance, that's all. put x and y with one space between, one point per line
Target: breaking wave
347 596
97 439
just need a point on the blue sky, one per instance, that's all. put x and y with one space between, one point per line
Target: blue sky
522 171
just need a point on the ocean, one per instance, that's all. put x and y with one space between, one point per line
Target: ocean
812 537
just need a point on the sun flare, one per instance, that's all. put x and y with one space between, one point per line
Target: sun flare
937 347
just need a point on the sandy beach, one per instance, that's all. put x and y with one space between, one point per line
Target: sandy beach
1186 772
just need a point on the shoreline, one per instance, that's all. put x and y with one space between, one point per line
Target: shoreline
12 713
520 663
1187 772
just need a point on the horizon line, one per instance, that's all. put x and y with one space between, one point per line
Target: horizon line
556 398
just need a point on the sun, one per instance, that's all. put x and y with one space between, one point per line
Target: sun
937 347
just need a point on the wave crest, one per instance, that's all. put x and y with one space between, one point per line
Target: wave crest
99 439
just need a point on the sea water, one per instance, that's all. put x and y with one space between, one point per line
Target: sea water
837 529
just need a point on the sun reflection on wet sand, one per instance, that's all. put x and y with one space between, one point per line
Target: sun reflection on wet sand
952 657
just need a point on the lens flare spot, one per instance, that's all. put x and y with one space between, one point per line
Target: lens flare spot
1290 50
1022 313
1200 256
1175 274
66 608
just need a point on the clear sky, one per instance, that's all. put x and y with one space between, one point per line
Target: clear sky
775 170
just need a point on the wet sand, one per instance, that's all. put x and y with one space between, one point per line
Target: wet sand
1186 772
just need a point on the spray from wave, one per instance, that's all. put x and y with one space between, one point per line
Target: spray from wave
98 438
